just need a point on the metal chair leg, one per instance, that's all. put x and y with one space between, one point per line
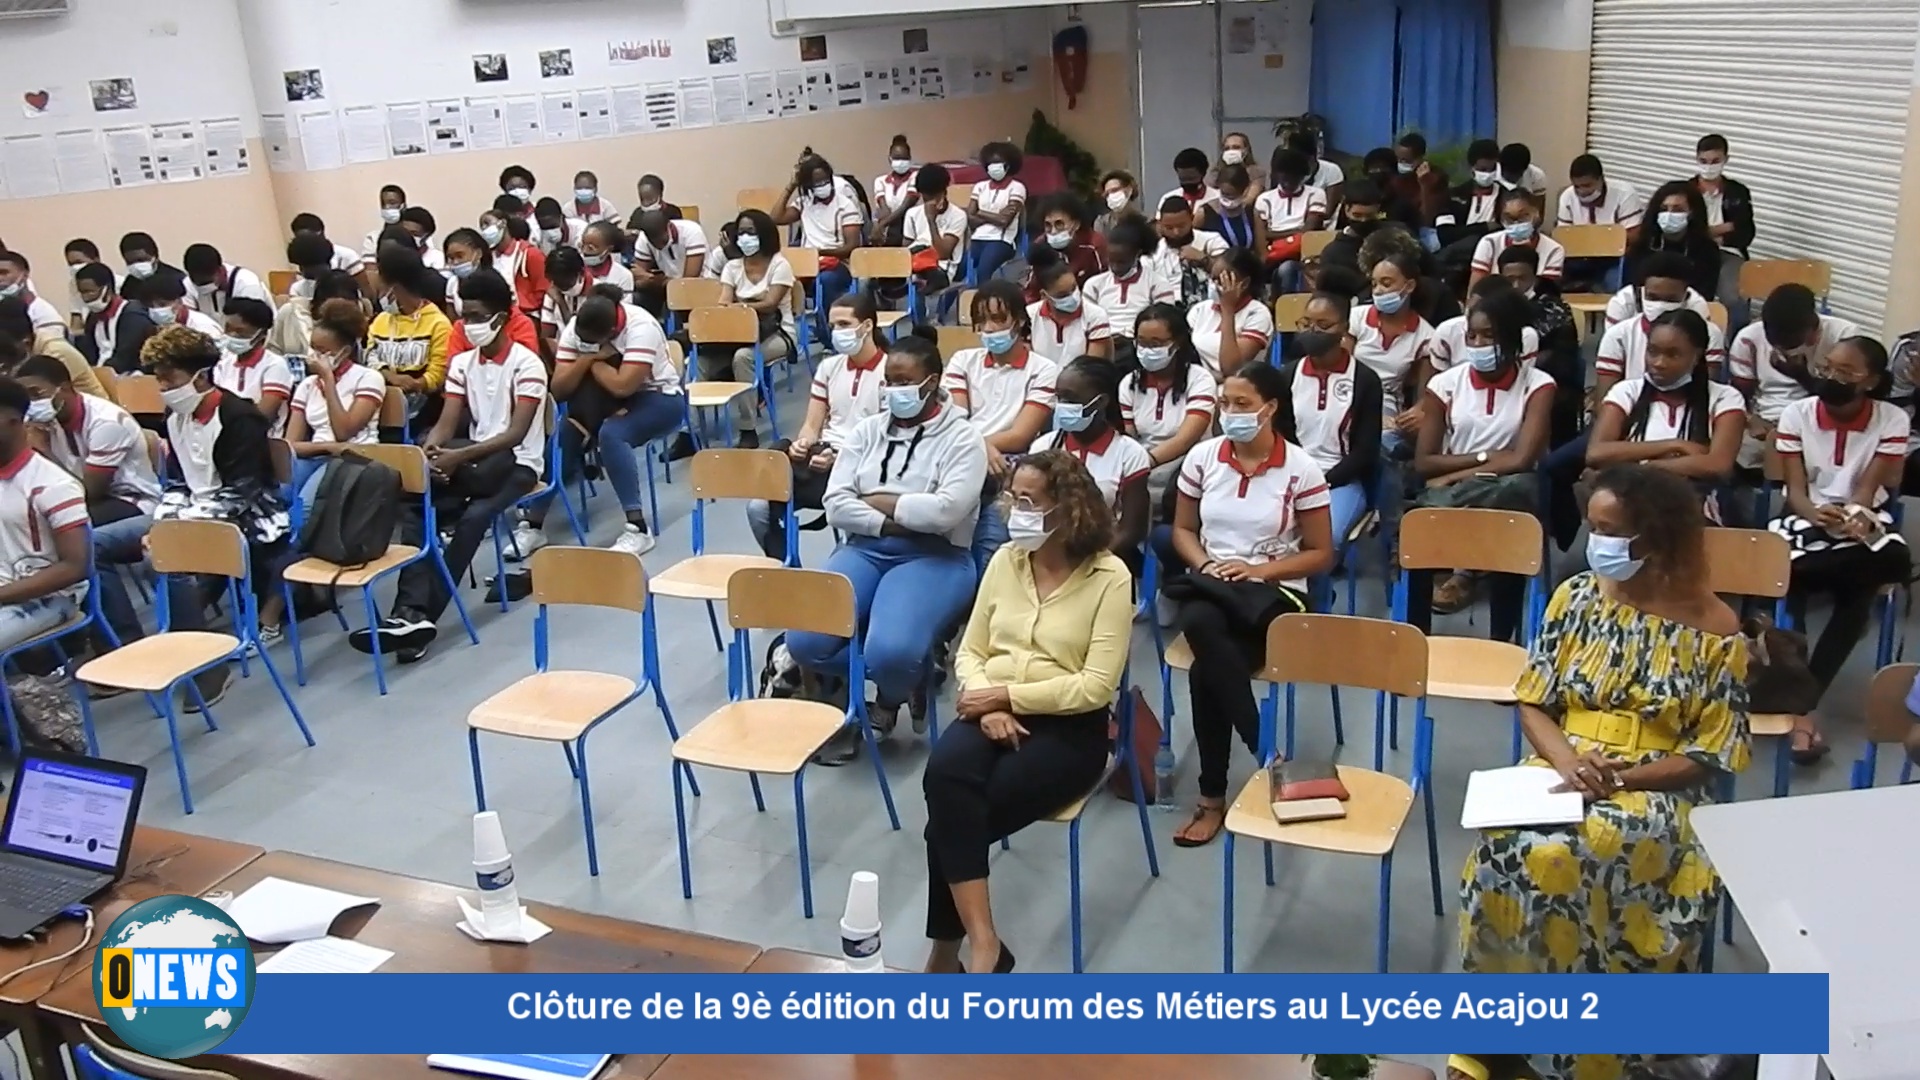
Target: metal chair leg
179 756
1226 895
800 820
1386 911
479 785
680 823
1073 890
586 811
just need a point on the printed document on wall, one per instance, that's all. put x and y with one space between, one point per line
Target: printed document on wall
662 106
819 90
630 110
320 140
446 126
522 115
791 90
407 128
933 80
176 152
365 128
129 156
696 103
486 127
225 145
986 75
31 172
729 99
559 116
596 113
81 164
283 155
763 96
1019 73
959 71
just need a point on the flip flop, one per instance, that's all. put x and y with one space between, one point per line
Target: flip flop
1814 749
1199 812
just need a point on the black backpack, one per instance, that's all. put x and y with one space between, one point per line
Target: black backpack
354 512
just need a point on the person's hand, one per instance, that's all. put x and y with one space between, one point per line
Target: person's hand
800 449
822 461
1193 255
1592 774
983 700
997 462
1003 728
1232 290
322 373
1830 518
1422 170
1789 362
1228 570
1407 421
1437 482
883 503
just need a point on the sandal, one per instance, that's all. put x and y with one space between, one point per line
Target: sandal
1201 813
1807 745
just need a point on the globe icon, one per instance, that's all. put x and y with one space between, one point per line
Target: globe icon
174 922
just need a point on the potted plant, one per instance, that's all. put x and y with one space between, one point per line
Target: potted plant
1341 1066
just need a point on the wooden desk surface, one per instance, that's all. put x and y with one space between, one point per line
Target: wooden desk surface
1277 1066
795 962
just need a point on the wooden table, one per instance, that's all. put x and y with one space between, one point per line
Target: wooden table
415 919
795 962
1277 1066
162 861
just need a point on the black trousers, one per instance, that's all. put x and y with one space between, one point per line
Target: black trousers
1225 655
1853 576
478 492
809 493
1506 602
979 791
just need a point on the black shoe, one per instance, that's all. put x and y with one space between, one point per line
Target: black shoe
412 655
212 685
842 748
884 718
403 631
917 708
1002 966
519 587
682 448
748 440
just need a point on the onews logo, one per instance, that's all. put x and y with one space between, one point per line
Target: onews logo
173 976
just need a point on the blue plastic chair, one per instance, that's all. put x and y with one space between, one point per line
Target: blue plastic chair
871 265
774 735
729 474
734 326
88 615
565 706
1888 721
554 486
161 661
1341 650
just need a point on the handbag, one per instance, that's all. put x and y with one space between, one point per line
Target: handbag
1248 605
924 259
1283 249
1146 744
1778 679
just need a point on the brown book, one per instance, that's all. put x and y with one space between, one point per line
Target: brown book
1292 781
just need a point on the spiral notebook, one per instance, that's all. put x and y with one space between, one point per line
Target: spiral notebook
524 1066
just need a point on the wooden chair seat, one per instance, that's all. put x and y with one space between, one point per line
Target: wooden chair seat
1067 814
886 319
1587 303
153 663
763 735
1473 669
555 706
704 577
311 571
703 395
1377 807
1771 723
1180 654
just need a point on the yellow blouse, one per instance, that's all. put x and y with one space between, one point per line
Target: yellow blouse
1057 656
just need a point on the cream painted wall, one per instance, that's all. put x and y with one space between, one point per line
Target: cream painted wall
1542 61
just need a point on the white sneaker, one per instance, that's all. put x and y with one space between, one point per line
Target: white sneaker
526 540
634 542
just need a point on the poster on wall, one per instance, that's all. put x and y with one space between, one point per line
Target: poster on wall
113 95
304 84
729 99
596 113
446 126
790 89
406 129
813 48
81 164
959 71
820 90
662 106
723 50
522 115
559 116
129 156
556 63
489 67
176 152
914 40
320 140
365 129
933 80
854 86
277 135
906 82
44 101
763 100
1019 71
31 172
696 103
630 110
639 51
985 76
225 146
486 127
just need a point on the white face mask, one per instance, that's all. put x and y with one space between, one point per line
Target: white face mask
551 236
997 171
749 244
523 194
1672 222
182 400
141 269
1233 157
481 334
238 346
492 234
1485 179
1027 528
585 195
98 303
594 260
390 215
162 316
40 411
823 192
647 206
1711 170
900 166
1117 200
1653 309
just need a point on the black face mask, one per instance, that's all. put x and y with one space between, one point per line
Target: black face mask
1835 394
1314 342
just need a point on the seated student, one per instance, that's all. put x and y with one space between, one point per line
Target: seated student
311 256
1088 424
1065 325
1419 183
16 282
1381 167
994 210
520 329
487 450
1131 282
1234 328
1354 222
216 281
141 256
343 258
1519 173
553 229
1622 353
933 224
1292 207
1780 360
407 341
43 536
1333 406
517 181
650 193
600 253
293 323
1185 256
1626 304
1326 175
566 287
1390 337
762 279
1674 417
114 329
1120 195
1560 355
248 367
1729 220
1250 528
1519 221
420 224
1449 342
466 251
1005 388
1231 213
522 264
894 194
1431 297
1236 149
1190 168
393 203
1483 429
1839 491
831 220
1167 401
905 491
588 204
663 249
337 403
81 252
1473 203
1679 227
16 344
1066 230
1592 199
1039 667
165 297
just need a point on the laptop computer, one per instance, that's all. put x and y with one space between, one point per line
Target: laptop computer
66 836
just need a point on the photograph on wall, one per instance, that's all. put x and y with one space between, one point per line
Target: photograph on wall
556 63
490 67
639 51
1240 34
44 101
304 84
723 50
913 41
813 48
113 95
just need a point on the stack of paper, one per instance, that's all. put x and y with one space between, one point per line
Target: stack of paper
1518 795
275 910
325 956
524 1066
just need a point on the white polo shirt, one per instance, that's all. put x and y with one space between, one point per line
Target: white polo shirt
569 234
1167 260
1835 454
1482 205
1253 322
491 389
851 392
684 240
1618 204
994 199
890 190
997 389
1390 355
1623 348
637 339
232 281
254 375
1486 254
1450 343
821 222
1326 175
951 221
352 382
1625 305
1667 416
1252 516
597 210
1209 195
779 272
1123 299
1533 180
1114 459
1752 359
1284 213
196 320
37 499
346 260
1323 411
608 273
1154 410
105 437
43 314
1482 415
1065 342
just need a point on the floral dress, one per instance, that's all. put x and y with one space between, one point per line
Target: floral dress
1629 889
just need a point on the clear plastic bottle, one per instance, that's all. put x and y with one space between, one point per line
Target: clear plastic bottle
1163 778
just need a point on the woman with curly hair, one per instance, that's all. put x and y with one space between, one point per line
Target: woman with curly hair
1636 695
1038 668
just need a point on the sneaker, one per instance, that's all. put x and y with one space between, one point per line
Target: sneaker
397 632
1453 594
527 539
411 655
212 685
842 748
634 541
272 635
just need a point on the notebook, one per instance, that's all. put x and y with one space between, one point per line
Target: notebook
524 1066
1519 795
1305 791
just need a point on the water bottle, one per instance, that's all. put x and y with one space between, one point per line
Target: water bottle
493 874
860 925
1163 778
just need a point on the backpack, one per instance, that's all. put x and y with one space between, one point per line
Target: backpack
354 512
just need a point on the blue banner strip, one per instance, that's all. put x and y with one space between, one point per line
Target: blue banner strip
1033 1014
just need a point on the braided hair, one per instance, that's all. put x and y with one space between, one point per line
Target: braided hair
1698 427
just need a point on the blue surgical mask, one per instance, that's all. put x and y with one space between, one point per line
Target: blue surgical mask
998 342
1241 427
238 346
1154 357
1672 222
748 243
162 316
1058 241
848 339
8 291
1065 305
463 269
1612 556
40 411
1484 358
492 234
997 171
1520 231
1389 303
1073 416
904 402
585 195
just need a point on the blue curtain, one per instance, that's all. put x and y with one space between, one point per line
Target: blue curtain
1446 69
1352 78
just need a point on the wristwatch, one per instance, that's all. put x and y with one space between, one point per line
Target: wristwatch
1481 458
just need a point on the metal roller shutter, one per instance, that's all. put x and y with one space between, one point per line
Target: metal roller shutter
1812 95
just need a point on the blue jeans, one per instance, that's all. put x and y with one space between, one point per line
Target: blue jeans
29 619
834 284
907 590
1349 502
988 257
989 536
1288 278
648 417
116 545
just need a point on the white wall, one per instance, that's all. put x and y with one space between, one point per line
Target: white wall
1566 25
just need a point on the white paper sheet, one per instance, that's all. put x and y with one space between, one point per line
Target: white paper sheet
1518 795
365 128
176 152
446 126
696 103
283 153
559 116
959 71
31 171
791 90
729 99
763 100
276 910
1019 70
521 112
225 146
320 140
486 124
906 81
854 86
986 75
630 110
81 164
406 128
933 80
596 113
129 156
663 106
325 956
819 90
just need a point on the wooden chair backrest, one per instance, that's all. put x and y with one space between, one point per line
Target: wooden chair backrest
690 212
685 294
393 409
964 312
1450 538
597 577
1748 562
139 394
1288 310
1592 241
677 354
409 461
733 324
868 263
109 381
776 598
804 260
955 338
280 283
1717 314
197 547
756 198
742 474
1759 277
1347 650
1888 720
1313 243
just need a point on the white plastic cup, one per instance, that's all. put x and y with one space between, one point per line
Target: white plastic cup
860 925
489 839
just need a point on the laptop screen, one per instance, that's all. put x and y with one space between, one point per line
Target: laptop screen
73 810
